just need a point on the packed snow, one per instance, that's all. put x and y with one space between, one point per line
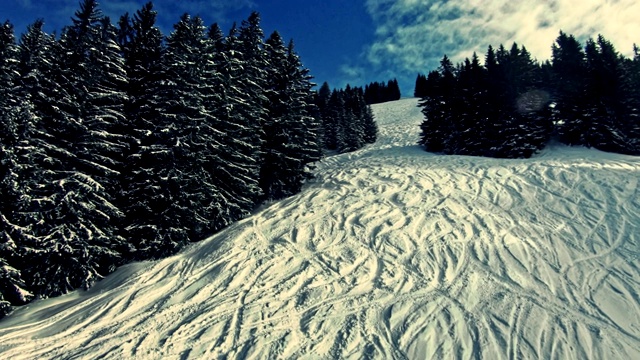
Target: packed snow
390 253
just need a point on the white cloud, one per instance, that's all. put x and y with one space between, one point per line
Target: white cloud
412 35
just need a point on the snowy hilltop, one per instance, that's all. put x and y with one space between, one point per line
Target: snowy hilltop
389 253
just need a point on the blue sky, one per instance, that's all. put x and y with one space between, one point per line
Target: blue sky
359 41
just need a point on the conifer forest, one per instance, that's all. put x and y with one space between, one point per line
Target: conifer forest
514 105
122 144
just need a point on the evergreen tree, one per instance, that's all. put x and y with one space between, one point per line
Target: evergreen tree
632 100
250 44
370 127
611 111
569 75
142 198
237 104
8 122
353 121
338 112
470 128
73 202
393 90
15 119
185 200
527 125
328 128
439 108
291 140
421 87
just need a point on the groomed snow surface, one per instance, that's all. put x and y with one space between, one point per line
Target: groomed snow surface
391 253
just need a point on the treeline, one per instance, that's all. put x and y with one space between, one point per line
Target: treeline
379 92
348 122
121 144
512 106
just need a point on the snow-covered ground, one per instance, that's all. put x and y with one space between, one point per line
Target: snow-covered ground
391 252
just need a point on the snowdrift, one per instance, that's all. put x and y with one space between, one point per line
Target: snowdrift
391 253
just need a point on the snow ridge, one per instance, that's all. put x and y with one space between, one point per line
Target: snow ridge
391 253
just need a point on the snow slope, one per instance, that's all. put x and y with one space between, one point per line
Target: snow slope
390 253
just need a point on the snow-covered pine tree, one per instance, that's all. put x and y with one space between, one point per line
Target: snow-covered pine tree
370 127
238 104
9 191
15 121
142 197
337 113
291 140
354 126
250 42
73 202
183 147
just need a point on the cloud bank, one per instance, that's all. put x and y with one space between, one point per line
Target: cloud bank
412 35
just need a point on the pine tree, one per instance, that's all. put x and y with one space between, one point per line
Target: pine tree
528 126
142 198
337 112
76 217
569 75
394 90
8 122
14 122
238 107
421 87
632 101
291 140
370 127
439 109
611 113
327 122
250 44
470 128
184 203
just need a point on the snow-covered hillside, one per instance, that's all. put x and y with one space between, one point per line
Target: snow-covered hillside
390 253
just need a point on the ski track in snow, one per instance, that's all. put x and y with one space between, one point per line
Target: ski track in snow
390 253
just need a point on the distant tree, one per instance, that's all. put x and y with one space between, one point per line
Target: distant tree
610 103
338 113
439 108
632 101
353 121
469 131
379 92
393 90
370 127
328 126
421 87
